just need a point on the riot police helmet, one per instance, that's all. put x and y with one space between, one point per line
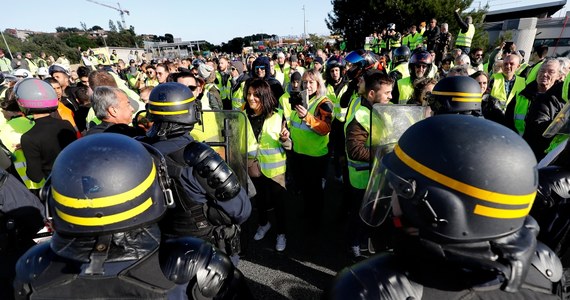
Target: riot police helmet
402 54
106 183
446 180
173 102
336 61
456 95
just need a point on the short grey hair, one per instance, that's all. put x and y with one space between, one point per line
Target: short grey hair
463 58
445 25
550 60
104 97
564 65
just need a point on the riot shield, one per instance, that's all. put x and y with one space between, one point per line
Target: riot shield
388 123
560 124
559 128
225 131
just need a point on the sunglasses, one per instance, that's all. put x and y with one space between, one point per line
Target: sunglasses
150 72
260 68
192 87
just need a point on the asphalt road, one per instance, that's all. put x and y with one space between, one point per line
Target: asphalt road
312 258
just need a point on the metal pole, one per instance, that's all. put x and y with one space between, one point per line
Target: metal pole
5 43
304 26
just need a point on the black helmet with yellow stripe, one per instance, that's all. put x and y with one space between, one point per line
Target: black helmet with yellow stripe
456 95
173 102
458 179
106 183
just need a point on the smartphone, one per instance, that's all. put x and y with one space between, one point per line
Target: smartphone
508 46
299 98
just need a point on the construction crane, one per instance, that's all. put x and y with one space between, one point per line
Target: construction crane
122 12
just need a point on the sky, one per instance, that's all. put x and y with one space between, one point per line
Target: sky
215 21
506 4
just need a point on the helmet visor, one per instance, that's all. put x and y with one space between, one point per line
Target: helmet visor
383 185
560 124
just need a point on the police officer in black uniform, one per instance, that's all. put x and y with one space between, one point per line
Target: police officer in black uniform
456 95
461 215
107 193
21 217
210 202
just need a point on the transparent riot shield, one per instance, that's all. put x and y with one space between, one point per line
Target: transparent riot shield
559 128
560 124
225 131
388 123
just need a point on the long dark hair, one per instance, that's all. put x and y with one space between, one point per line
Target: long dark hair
262 90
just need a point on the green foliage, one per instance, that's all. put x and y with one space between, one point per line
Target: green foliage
317 41
233 46
76 40
356 21
112 26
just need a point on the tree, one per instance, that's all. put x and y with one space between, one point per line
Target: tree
316 41
120 26
233 46
95 28
83 26
355 22
112 26
169 38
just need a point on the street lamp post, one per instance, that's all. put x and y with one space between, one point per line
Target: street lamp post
304 26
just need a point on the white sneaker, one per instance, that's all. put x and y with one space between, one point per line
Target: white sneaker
281 242
261 231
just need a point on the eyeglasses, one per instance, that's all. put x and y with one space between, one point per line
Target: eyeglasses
192 87
260 68
421 66
150 72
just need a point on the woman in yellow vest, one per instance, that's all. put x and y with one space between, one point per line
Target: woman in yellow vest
267 139
310 125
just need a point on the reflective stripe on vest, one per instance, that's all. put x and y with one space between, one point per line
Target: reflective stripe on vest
238 102
498 90
404 69
21 168
268 150
225 89
358 171
305 140
339 112
406 90
395 43
464 38
521 109
415 40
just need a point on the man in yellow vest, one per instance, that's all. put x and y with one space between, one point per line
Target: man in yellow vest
5 63
420 66
378 89
505 85
466 33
